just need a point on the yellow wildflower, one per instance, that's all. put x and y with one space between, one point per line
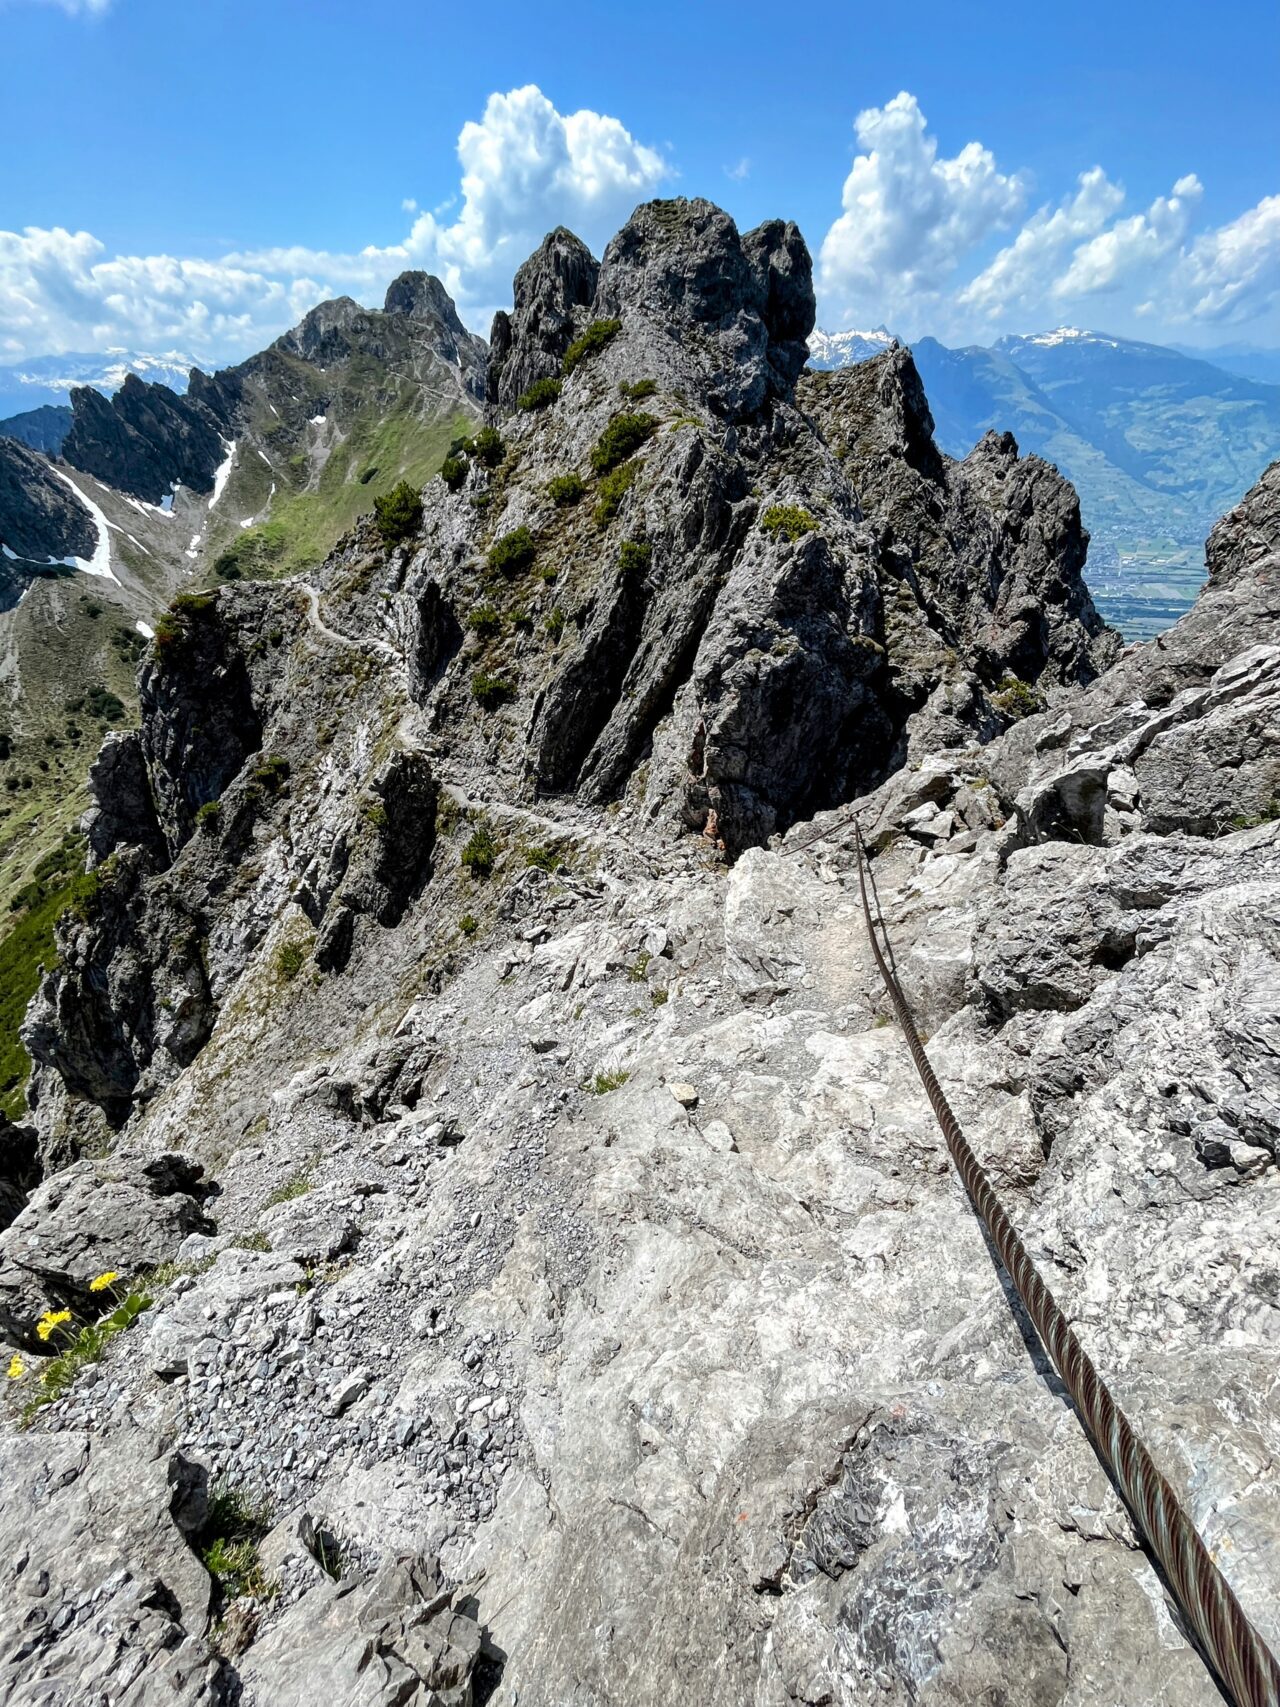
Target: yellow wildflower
103 1281
16 1367
50 1320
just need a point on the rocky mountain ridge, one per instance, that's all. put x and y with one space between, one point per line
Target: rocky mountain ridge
470 1031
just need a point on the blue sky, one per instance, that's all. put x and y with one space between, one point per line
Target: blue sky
193 175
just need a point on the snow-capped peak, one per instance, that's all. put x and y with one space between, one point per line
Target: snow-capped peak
843 349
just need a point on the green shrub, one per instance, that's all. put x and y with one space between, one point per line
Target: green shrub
398 515
480 853
491 691
596 336
554 624
453 471
513 552
621 438
487 447
270 773
603 1083
1016 699
565 489
484 620
638 389
208 815
612 490
228 1543
468 924
521 621
543 859
634 556
540 395
787 520
291 957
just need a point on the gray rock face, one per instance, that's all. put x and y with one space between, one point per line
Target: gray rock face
40 519
122 1216
123 813
739 309
553 291
146 439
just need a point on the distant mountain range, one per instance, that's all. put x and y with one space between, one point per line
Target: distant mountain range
1158 443
49 379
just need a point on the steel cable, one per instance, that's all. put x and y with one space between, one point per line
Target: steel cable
1243 1662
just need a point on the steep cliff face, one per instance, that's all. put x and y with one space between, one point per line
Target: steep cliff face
41 519
577 1219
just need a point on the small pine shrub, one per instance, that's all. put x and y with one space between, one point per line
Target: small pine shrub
565 489
398 515
634 556
480 853
453 471
484 620
543 859
612 490
468 924
638 389
540 395
554 624
490 692
596 336
513 552
621 438
787 520
487 447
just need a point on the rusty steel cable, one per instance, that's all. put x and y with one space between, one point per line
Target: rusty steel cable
1244 1664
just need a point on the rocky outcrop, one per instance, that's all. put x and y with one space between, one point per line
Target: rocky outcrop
146 440
41 519
579 1216
553 291
120 1216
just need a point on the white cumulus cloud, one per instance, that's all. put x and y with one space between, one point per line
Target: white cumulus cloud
912 246
911 216
525 168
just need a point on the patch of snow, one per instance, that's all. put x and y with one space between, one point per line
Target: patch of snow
247 522
11 555
318 420
145 629
100 563
163 508
264 456
222 472
194 547
166 504
844 349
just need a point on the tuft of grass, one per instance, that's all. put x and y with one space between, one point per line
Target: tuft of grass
291 957
787 521
621 438
484 620
543 859
228 1543
1016 699
489 692
487 447
297 1185
634 556
208 815
554 623
565 489
512 552
480 853
540 395
638 389
603 1083
468 924
612 490
596 336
